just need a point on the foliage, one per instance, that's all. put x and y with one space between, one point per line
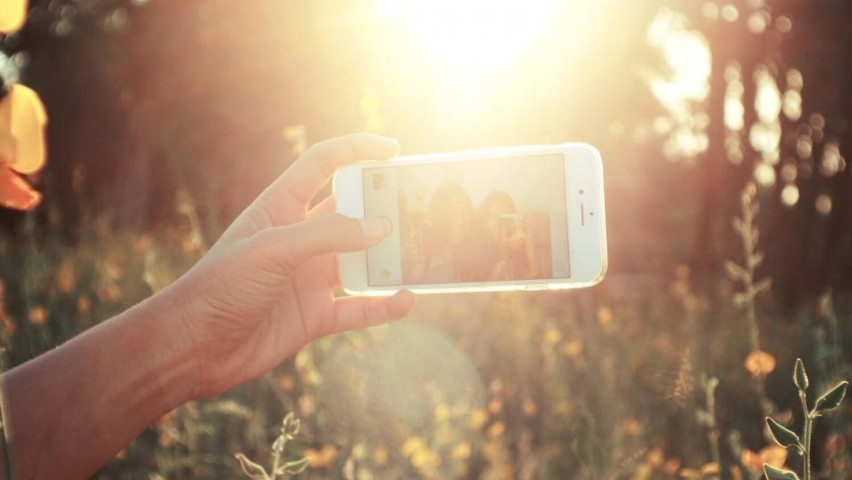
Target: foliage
289 429
828 401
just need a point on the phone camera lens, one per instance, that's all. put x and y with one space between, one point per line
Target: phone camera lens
591 214
582 191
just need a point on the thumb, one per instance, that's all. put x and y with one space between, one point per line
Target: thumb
291 245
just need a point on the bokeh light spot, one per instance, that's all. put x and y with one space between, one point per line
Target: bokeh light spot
764 174
823 204
730 13
758 21
783 24
789 172
790 195
710 10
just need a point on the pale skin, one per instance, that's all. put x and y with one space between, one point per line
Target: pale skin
262 292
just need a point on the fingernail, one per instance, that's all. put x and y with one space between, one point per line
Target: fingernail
376 227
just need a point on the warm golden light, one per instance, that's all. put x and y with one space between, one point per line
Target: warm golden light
685 85
469 33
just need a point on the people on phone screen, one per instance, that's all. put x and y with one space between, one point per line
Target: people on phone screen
445 233
461 244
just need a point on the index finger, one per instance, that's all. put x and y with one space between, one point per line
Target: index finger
311 171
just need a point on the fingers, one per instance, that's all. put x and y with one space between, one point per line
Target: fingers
326 205
304 178
285 248
359 312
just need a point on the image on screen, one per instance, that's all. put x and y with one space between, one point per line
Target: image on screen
485 220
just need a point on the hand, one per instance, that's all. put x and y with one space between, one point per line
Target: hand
265 288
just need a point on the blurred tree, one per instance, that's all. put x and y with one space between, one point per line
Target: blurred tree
148 97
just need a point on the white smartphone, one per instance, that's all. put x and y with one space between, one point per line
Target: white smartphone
519 218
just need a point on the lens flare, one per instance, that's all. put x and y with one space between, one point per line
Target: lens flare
472 32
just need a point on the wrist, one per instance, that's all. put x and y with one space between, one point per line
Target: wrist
173 361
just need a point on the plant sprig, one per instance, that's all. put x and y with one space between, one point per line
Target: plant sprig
789 439
289 429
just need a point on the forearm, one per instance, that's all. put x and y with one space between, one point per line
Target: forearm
75 407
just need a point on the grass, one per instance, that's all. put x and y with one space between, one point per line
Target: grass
640 378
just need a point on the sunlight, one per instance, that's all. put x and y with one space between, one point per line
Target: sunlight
687 54
471 33
684 85
765 134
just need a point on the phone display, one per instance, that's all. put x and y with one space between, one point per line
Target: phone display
500 219
481 220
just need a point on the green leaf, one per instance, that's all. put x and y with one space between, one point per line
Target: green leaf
832 398
734 271
773 473
781 434
755 259
296 466
763 285
800 377
251 469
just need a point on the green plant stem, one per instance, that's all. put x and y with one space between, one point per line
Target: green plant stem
806 436
276 459
712 429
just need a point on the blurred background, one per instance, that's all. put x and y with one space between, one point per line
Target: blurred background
724 128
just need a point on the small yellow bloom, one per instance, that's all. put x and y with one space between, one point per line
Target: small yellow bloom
461 451
497 429
477 418
412 445
759 363
442 413
605 316
286 383
573 349
529 407
321 458
631 427
381 456
552 336
84 305
37 316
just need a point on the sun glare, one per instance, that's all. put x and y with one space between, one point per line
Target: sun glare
471 33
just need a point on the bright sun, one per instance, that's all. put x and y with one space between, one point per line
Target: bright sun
472 33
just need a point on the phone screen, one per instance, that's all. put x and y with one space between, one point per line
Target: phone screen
484 220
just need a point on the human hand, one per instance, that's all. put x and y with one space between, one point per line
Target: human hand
265 289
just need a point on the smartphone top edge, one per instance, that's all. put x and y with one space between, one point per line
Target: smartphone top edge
491 152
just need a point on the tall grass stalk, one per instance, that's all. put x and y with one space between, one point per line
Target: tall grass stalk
747 229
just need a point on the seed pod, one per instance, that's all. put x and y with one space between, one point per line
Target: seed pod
800 378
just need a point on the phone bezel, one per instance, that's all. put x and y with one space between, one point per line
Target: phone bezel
584 205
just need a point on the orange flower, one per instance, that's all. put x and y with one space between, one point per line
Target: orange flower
759 363
22 150
37 316
774 455
15 193
13 16
321 458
